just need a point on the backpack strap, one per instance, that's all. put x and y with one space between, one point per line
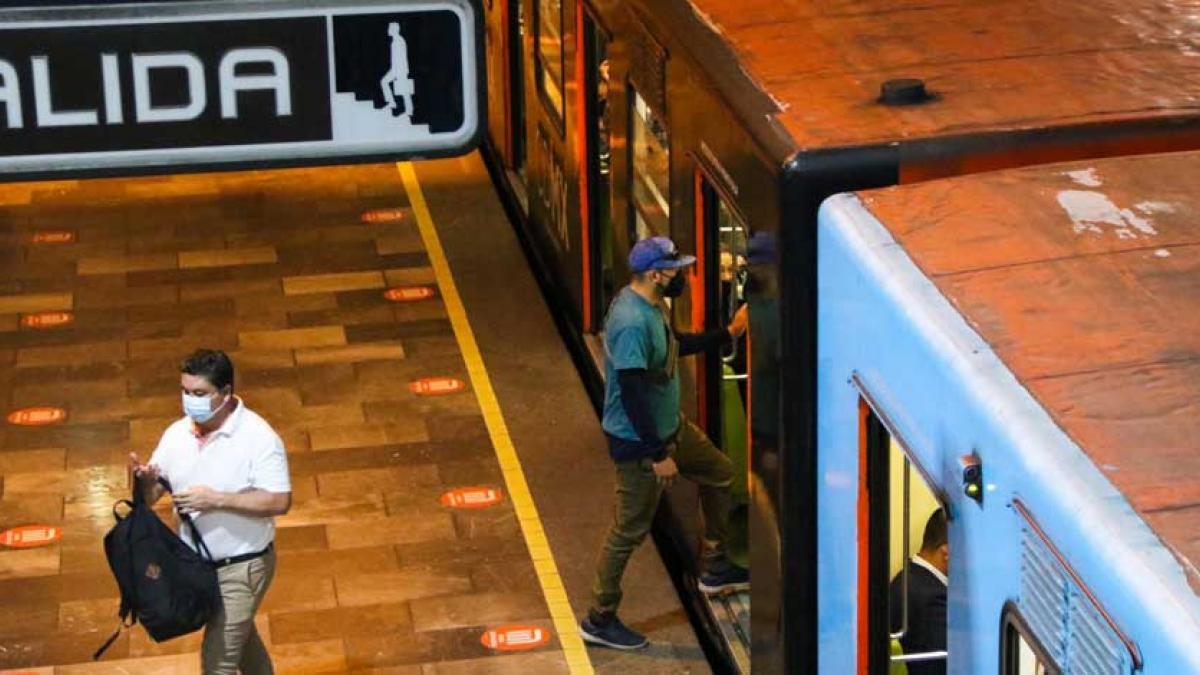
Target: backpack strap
201 547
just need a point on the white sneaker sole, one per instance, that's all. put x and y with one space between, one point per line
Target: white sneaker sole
588 637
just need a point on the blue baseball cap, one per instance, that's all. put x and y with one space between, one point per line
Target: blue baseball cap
657 253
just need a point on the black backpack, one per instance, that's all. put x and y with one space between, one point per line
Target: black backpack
164 584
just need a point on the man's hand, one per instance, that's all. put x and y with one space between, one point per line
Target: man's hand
666 471
147 473
738 326
198 499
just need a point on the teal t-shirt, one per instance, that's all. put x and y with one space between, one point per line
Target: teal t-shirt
636 336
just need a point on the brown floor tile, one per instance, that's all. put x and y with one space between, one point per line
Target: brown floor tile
351 436
293 338
227 289
88 616
129 263
30 562
422 311
8 322
476 609
406 242
334 623
42 356
325 656
379 351
301 538
141 645
350 561
290 594
356 482
175 664
99 296
39 302
60 648
326 383
325 510
395 530
28 619
261 359
372 651
548 662
410 276
16 461
227 257
375 312
29 509
332 283
391 587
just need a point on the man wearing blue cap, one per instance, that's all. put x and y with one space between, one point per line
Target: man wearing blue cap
648 438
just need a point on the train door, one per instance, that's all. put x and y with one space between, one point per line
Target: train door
604 274
517 68
903 559
718 291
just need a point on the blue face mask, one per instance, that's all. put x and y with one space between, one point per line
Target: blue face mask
199 408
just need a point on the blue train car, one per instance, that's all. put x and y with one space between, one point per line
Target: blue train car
1020 349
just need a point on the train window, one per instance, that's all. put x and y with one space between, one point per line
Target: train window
549 40
907 560
1020 654
599 143
651 175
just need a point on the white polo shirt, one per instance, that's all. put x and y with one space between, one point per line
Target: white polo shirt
244 453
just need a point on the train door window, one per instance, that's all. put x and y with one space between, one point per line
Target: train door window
599 143
550 66
903 595
516 76
651 175
1020 653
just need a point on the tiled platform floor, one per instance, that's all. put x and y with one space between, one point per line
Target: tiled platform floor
280 269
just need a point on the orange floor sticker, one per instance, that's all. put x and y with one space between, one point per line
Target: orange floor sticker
436 386
35 417
409 293
53 237
472 498
30 536
515 638
383 215
47 319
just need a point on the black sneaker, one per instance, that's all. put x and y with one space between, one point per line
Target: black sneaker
610 632
730 580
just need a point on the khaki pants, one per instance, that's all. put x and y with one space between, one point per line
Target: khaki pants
231 641
638 493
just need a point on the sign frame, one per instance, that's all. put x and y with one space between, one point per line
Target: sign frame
230 157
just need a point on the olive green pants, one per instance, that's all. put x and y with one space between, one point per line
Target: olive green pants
638 492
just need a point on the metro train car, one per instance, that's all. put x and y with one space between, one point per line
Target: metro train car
1020 349
725 124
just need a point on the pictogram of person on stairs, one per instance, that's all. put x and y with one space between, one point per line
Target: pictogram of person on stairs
397 75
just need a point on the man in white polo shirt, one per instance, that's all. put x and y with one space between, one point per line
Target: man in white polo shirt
228 468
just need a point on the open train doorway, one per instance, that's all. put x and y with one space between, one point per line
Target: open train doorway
722 380
904 560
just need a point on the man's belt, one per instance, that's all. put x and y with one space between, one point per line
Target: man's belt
233 560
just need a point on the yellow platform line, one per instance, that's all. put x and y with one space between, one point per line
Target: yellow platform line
514 478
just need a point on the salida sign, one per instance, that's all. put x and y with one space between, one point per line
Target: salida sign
212 83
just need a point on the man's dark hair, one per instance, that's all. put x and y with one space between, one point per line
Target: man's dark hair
935 531
213 365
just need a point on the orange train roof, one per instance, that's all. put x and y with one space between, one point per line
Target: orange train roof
1085 280
995 65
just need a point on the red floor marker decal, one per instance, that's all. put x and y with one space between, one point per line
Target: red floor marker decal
472 498
54 237
436 386
47 319
515 638
36 417
383 215
409 293
29 536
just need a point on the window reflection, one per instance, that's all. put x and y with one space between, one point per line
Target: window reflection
550 54
651 172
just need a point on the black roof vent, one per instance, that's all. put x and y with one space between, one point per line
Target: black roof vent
904 91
